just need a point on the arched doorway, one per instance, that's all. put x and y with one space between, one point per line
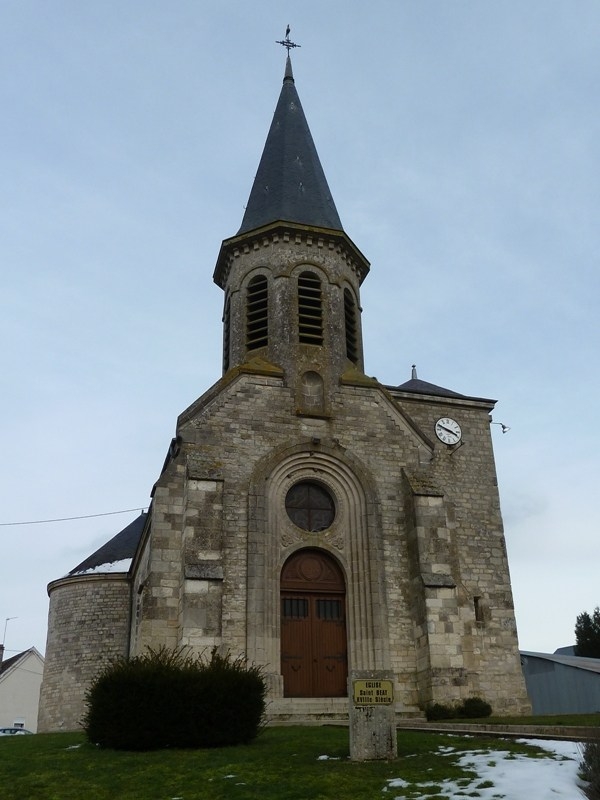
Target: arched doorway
314 661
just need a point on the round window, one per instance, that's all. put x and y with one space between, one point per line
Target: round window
310 506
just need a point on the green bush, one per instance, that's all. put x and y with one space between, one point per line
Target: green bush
165 698
437 711
473 708
590 769
470 708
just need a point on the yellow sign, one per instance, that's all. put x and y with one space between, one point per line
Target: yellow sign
373 693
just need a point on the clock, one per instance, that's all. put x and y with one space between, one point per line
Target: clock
448 431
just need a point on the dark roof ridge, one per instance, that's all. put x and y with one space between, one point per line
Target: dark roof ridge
7 663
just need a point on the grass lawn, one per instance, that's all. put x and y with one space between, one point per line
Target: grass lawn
282 764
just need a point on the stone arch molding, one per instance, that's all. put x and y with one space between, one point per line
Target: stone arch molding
353 540
294 268
310 266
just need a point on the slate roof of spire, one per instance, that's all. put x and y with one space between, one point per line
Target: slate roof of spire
290 184
119 548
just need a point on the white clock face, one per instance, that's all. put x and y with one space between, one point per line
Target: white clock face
448 431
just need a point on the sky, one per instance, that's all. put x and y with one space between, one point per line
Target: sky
461 143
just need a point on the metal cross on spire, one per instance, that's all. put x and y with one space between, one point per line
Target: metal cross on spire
287 42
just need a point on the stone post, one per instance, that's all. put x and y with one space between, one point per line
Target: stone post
372 715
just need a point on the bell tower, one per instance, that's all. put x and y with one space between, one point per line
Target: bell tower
291 275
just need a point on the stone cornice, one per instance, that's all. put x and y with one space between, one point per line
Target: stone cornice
456 402
285 232
95 577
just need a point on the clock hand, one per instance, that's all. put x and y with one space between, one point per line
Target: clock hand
448 430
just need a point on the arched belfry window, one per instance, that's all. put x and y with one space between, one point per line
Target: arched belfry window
257 313
310 309
226 332
350 326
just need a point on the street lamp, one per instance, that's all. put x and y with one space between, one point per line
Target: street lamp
6 621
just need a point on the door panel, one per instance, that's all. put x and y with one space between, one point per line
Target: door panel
313 627
296 646
329 647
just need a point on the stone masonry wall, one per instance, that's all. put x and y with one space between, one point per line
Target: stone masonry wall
477 615
203 566
87 626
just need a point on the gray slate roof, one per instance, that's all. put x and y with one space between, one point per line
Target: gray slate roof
418 386
120 547
290 184
9 662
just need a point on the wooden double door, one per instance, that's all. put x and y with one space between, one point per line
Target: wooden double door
314 659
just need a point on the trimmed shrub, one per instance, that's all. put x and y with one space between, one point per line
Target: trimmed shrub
473 708
470 708
437 711
167 698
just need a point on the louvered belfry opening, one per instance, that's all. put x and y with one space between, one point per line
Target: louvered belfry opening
257 313
310 309
350 325
226 333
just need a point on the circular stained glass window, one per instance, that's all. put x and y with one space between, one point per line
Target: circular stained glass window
310 506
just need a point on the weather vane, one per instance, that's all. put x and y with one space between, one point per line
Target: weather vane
287 42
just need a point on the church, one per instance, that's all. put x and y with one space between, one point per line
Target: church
306 517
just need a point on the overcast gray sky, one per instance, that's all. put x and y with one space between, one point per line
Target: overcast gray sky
461 142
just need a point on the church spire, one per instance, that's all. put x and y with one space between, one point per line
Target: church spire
291 275
290 184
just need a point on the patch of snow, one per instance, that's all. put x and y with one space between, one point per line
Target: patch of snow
398 783
559 748
114 566
514 776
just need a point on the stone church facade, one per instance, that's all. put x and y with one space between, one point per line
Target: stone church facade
306 516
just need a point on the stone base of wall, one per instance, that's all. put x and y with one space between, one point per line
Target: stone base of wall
560 732
316 711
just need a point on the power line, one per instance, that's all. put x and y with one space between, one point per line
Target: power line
68 519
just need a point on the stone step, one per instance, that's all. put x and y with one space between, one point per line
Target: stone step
307 710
